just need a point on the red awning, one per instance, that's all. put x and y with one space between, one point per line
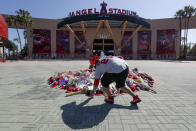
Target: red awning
3 29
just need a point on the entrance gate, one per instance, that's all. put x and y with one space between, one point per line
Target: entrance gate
107 45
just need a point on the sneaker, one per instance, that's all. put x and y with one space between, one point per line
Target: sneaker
109 99
135 100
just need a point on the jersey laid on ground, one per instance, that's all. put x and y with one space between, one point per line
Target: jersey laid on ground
110 65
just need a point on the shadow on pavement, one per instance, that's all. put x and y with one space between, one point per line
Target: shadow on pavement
82 117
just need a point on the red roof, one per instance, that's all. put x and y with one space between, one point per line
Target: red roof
3 29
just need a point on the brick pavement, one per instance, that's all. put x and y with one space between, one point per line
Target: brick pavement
27 104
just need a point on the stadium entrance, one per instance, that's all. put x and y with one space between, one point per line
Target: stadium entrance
107 45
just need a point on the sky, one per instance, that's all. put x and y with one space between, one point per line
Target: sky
57 9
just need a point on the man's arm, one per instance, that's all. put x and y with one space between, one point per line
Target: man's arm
96 83
95 86
98 75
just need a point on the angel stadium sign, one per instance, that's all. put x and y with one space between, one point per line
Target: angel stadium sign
114 14
103 12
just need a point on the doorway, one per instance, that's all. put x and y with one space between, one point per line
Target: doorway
107 45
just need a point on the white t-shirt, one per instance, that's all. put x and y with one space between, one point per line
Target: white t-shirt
110 65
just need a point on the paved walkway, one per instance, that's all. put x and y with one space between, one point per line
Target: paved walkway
27 104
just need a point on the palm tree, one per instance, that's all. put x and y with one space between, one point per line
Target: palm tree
179 15
193 50
188 12
14 20
16 40
185 14
25 20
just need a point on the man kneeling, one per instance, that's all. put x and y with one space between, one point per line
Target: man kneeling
112 69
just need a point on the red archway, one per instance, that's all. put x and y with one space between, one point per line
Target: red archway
3 29
3 37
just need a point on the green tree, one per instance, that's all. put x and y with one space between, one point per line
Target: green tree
179 16
26 21
24 51
16 40
10 46
14 20
185 14
189 11
193 51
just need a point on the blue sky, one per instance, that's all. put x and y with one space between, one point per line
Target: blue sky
56 9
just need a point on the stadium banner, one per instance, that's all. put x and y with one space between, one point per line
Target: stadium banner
166 41
144 42
127 49
62 42
41 41
80 48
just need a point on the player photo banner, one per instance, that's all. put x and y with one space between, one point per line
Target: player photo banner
166 41
127 49
144 42
41 41
62 42
80 48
